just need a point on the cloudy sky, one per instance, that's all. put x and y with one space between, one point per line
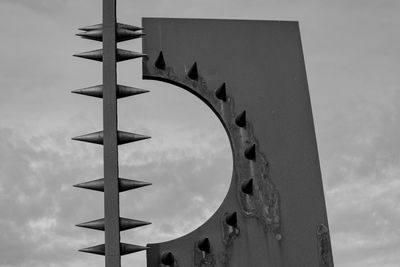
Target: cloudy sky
352 59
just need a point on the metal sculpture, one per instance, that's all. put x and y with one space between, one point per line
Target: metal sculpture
252 75
110 33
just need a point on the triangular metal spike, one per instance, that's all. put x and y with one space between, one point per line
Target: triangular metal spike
119 25
193 72
91 27
126 224
128 248
125 34
96 35
204 245
95 91
95 138
125 91
129 27
123 55
96 55
167 258
97 185
99 250
121 35
122 91
231 219
250 152
220 93
160 62
241 119
126 184
125 137
247 187
96 225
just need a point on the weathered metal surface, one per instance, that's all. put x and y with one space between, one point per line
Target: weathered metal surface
276 190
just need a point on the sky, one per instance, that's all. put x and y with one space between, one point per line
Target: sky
352 62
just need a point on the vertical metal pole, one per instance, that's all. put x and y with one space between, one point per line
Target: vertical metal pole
111 192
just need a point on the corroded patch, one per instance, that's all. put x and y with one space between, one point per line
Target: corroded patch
324 246
202 258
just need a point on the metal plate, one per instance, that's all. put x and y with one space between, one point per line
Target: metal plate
284 221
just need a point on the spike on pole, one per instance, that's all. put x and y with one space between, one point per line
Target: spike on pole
122 91
99 250
119 26
128 248
125 137
122 35
123 185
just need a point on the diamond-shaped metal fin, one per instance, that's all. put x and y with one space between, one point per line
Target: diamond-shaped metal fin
241 119
99 250
204 245
126 224
119 26
220 93
121 35
193 72
250 152
125 137
247 187
128 248
231 219
96 55
168 259
122 91
124 185
95 138
160 61
122 55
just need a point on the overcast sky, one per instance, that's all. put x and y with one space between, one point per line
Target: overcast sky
352 58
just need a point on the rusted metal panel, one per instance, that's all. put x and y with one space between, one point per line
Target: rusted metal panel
252 75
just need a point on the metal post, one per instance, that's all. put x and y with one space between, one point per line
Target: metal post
111 192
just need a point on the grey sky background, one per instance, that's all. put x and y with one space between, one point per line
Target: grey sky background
352 60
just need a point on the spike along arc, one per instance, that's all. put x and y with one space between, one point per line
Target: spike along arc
110 33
